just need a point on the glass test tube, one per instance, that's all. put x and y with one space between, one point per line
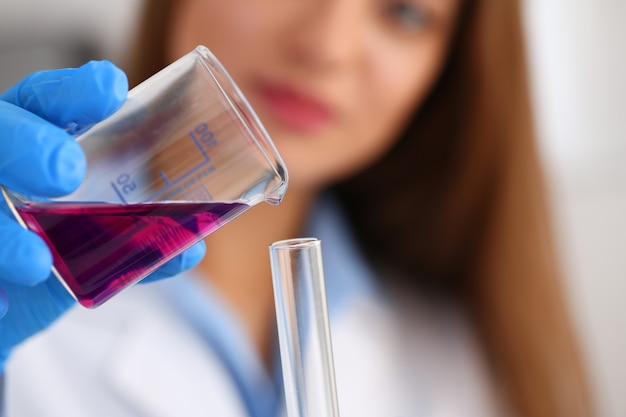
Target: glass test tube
303 328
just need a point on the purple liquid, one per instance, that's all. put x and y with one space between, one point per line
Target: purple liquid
99 249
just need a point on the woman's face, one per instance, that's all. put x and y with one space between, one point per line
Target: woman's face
333 81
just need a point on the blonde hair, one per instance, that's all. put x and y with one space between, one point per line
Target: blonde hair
467 207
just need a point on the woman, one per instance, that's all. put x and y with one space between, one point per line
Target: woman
405 126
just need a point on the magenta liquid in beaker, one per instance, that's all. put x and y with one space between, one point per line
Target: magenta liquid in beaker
99 249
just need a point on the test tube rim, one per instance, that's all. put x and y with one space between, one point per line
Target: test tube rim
296 243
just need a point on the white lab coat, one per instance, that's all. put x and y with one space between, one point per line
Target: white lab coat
134 357
138 355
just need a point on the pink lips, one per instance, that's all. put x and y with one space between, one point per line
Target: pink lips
295 109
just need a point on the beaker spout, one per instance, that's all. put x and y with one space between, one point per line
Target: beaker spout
275 196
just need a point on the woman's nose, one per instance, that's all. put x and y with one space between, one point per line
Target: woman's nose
327 35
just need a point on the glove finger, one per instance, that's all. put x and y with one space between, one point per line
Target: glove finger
31 309
4 304
183 262
73 96
37 157
24 257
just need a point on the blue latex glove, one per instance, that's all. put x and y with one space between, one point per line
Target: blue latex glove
38 157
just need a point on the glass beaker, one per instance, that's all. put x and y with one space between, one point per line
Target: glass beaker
183 156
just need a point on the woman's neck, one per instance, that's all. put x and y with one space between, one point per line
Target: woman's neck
237 262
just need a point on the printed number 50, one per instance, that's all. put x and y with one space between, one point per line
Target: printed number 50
126 185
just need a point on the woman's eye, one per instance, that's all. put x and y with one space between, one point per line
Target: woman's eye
408 15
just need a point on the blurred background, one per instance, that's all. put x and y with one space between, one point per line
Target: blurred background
577 57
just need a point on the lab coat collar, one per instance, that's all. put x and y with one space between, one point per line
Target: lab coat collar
140 371
222 333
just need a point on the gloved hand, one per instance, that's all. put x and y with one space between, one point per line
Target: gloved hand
38 157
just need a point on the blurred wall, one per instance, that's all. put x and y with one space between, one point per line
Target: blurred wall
578 58
578 62
41 34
